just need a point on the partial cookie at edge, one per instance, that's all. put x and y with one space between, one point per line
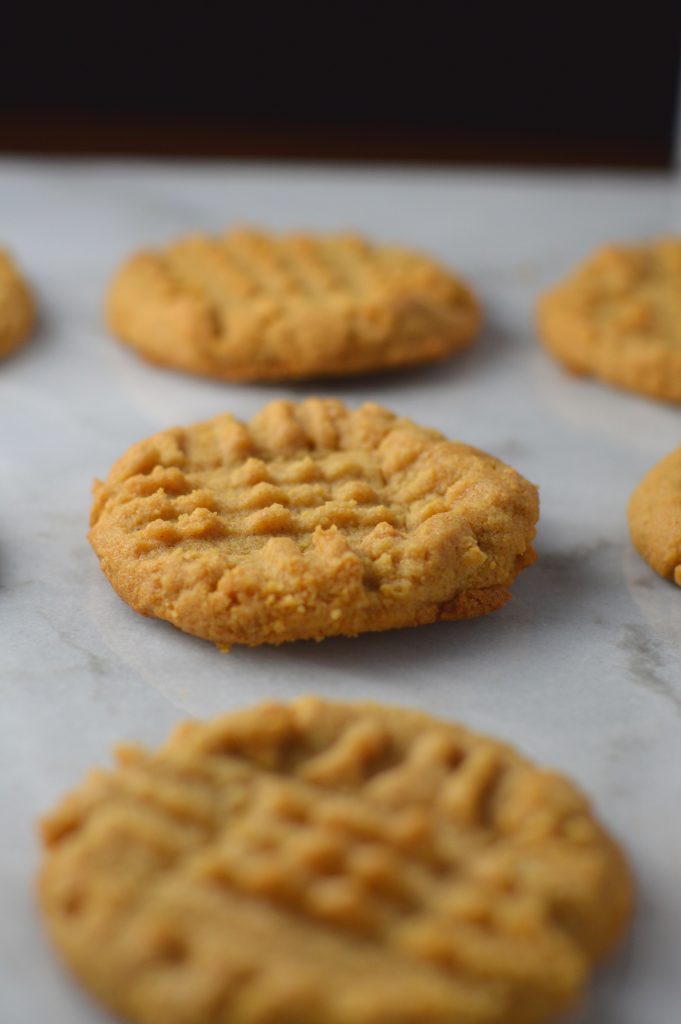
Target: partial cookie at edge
618 317
655 517
17 311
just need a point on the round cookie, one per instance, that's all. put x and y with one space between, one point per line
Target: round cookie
323 863
17 312
655 517
255 306
310 521
618 317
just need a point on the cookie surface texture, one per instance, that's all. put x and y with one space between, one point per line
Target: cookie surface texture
321 863
16 306
618 317
655 517
256 306
310 521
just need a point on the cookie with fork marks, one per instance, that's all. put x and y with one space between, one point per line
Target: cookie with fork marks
618 317
251 305
328 863
311 520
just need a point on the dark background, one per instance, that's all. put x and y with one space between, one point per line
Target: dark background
551 83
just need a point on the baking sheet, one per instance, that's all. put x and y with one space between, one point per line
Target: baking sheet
580 669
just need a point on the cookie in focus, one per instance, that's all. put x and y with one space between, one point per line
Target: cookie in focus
252 305
328 863
311 520
618 317
655 517
17 310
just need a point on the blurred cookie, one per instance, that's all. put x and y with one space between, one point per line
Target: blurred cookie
17 312
323 863
655 517
309 521
256 306
618 317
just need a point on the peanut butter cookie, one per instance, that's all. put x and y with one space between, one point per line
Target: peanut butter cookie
17 312
619 318
322 863
311 520
655 517
256 306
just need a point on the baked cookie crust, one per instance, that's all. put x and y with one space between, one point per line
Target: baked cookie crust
323 863
252 305
618 317
17 312
655 517
310 521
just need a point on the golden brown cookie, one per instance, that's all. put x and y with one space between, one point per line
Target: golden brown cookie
618 317
256 306
322 863
655 517
309 521
17 312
